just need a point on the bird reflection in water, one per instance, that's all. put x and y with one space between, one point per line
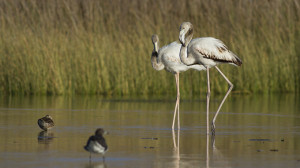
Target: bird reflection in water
45 137
96 165
217 155
213 155
176 153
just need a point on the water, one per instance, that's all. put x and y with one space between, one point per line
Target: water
252 131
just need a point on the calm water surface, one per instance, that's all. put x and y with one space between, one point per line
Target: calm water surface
252 131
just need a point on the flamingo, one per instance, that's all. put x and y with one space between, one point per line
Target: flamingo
167 58
209 52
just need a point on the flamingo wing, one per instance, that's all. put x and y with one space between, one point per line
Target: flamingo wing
211 48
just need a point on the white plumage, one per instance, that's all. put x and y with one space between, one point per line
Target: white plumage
168 58
209 52
169 55
96 143
95 147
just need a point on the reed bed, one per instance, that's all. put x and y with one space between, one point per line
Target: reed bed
104 46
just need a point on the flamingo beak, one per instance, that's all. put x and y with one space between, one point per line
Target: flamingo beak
182 36
156 47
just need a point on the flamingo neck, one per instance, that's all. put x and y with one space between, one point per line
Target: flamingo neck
155 61
184 55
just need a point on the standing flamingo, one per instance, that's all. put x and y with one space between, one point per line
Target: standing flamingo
167 58
209 52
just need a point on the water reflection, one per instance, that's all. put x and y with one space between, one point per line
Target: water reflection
96 165
217 156
176 152
242 117
45 137
212 156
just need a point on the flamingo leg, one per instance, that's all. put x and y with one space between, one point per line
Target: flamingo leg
177 102
207 102
174 139
221 104
178 139
207 151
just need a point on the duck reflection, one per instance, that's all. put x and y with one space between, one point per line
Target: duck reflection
45 137
96 165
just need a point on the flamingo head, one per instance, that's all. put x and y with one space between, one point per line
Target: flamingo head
185 33
155 41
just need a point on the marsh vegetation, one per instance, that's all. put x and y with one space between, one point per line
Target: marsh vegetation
104 47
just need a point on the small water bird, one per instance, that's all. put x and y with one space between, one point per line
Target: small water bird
46 122
167 58
209 52
96 143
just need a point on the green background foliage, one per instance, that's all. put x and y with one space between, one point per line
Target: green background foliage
104 46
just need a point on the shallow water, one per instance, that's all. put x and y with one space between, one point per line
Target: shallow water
252 131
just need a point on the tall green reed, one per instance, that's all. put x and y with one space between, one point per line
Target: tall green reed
104 47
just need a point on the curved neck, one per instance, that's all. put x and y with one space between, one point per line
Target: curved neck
155 61
184 56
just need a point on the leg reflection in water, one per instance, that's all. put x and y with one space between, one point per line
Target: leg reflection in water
207 151
216 154
217 157
176 153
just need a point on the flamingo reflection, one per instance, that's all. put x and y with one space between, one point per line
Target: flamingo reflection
176 152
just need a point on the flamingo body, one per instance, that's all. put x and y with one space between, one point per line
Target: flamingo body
209 51
168 58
